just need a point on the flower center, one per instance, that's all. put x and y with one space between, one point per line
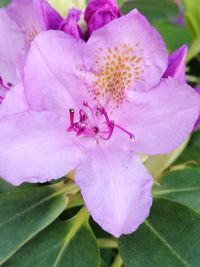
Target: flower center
95 123
117 69
4 88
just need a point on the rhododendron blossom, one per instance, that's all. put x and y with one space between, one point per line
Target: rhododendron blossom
176 65
94 108
21 21
100 12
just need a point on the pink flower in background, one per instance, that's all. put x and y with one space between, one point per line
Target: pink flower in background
176 65
94 107
34 16
21 21
180 20
101 12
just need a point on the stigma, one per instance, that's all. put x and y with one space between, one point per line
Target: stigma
94 122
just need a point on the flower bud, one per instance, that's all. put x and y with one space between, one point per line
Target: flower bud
100 12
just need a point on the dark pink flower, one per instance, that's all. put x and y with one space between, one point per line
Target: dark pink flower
176 65
100 12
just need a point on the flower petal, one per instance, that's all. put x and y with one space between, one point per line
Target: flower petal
70 24
23 13
162 118
176 65
53 76
36 147
100 12
74 67
47 16
11 45
129 48
116 188
14 102
197 124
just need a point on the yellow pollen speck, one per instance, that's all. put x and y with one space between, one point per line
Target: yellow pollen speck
118 69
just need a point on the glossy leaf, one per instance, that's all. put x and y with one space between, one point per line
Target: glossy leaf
181 186
153 9
173 35
157 164
25 212
195 140
4 186
170 237
190 156
62 244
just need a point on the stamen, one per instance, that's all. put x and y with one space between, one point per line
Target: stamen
85 104
84 125
110 132
130 134
103 112
82 115
5 87
72 112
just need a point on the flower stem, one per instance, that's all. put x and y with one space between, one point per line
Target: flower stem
78 221
76 201
107 243
70 188
118 261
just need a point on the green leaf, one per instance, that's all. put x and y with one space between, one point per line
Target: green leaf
121 2
62 244
192 16
4 186
194 49
190 157
25 212
181 186
173 35
157 164
4 2
170 237
195 140
154 9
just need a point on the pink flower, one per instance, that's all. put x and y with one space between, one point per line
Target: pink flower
176 65
94 107
101 12
34 16
20 23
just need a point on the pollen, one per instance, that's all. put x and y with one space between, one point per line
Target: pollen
117 69
32 33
